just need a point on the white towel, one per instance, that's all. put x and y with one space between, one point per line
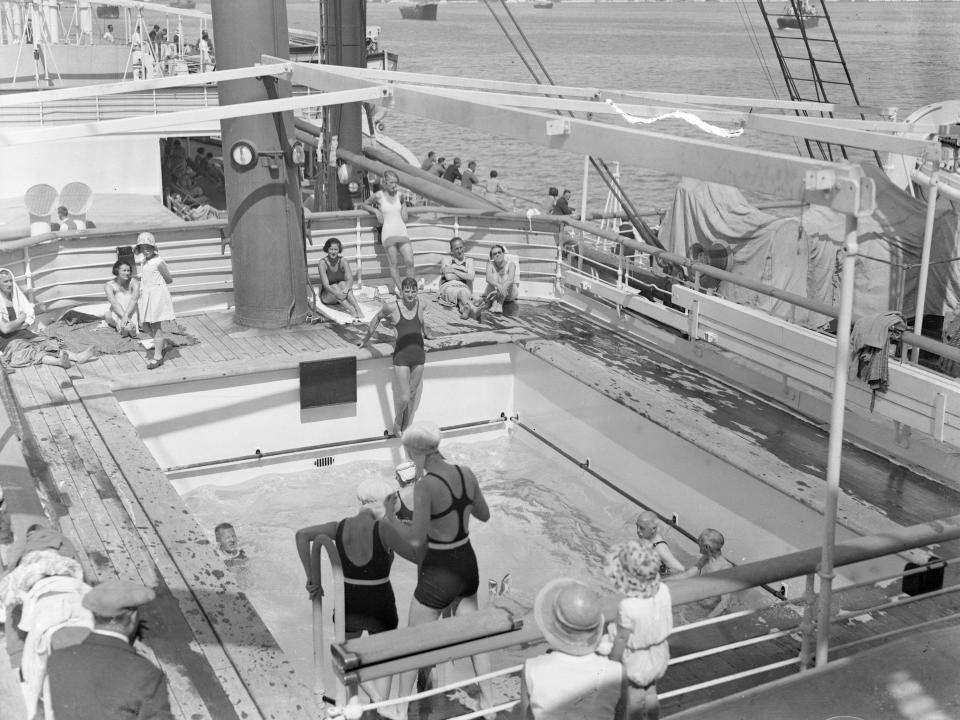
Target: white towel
21 305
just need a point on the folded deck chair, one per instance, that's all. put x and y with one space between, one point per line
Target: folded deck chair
40 200
77 197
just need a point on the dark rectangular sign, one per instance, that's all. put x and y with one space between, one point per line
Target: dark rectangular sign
328 382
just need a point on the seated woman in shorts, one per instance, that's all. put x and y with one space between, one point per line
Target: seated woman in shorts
123 296
336 279
445 498
21 346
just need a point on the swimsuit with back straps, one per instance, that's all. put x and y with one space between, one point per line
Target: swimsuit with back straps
460 505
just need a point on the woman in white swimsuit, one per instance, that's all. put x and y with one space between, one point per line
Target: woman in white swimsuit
391 214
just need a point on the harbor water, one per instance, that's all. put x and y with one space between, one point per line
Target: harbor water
902 54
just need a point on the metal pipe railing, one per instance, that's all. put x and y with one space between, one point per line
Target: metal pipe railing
399 651
909 338
322 670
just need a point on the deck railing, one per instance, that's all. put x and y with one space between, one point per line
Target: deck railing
492 629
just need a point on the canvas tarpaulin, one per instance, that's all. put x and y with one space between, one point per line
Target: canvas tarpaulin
801 253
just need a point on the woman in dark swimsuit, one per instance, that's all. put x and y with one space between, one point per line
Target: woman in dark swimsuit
409 355
336 279
445 498
366 547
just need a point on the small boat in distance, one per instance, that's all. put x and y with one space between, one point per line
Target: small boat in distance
419 11
543 4
804 14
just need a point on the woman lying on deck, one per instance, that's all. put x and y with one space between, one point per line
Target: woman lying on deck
21 346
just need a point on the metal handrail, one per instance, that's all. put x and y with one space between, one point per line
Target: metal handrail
322 670
398 652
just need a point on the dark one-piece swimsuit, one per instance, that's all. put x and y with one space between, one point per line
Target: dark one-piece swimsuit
409 349
449 569
367 592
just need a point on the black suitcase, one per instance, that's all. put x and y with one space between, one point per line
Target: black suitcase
923 582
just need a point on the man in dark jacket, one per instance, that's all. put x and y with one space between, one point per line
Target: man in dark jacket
103 678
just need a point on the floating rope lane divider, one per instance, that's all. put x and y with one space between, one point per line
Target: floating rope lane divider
678 115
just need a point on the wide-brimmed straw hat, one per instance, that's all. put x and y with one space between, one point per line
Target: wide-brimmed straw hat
634 568
569 616
422 438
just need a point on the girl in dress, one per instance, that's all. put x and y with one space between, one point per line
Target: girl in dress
391 213
156 305
19 345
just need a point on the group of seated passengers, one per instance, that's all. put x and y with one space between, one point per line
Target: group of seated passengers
456 283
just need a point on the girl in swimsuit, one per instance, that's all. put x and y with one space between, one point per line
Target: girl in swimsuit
123 295
445 498
365 545
391 213
409 354
336 279
648 529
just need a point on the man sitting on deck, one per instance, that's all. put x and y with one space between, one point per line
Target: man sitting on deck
457 275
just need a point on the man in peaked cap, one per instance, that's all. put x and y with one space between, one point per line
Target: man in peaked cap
103 677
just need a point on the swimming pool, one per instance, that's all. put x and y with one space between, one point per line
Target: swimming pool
547 519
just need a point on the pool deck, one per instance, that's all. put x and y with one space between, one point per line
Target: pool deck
113 501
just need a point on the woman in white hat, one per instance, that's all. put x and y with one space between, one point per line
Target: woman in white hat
571 681
445 498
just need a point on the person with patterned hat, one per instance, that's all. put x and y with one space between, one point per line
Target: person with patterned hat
103 676
644 622
571 681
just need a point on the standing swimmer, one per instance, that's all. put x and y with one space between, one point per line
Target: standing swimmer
391 213
156 305
409 354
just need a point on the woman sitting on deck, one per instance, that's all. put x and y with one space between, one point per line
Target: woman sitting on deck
502 287
336 279
445 498
365 546
21 346
123 296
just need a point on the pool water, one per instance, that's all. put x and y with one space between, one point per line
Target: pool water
548 519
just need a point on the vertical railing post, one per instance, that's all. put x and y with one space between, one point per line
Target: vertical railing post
323 675
925 263
808 625
835 447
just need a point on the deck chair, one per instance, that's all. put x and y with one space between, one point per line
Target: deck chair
40 201
192 197
77 197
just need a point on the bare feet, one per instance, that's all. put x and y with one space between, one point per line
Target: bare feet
466 312
85 356
63 360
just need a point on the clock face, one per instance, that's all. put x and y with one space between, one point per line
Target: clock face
243 154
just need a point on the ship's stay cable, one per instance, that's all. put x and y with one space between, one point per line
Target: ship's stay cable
646 232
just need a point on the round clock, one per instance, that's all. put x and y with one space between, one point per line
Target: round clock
243 154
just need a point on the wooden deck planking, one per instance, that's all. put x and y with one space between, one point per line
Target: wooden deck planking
98 528
221 338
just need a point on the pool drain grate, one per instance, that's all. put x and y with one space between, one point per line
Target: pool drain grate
325 461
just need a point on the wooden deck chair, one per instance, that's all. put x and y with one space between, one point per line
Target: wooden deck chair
192 197
77 197
40 201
